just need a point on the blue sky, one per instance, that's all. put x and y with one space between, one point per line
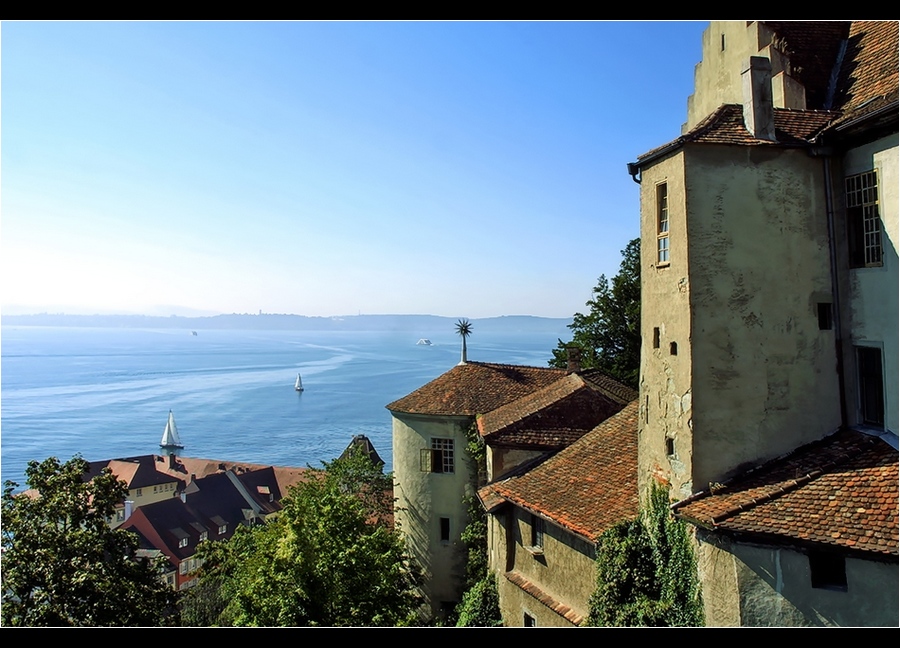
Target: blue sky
464 169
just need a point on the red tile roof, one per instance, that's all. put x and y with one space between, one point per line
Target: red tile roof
551 602
585 488
869 67
840 491
557 415
475 388
725 125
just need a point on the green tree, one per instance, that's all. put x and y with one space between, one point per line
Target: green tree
62 565
609 335
480 605
463 330
646 571
332 558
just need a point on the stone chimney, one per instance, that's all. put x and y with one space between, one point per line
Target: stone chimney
759 113
573 354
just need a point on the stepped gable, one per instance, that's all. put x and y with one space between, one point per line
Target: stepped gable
585 488
840 491
475 387
557 415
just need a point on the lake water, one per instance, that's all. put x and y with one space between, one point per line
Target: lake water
106 393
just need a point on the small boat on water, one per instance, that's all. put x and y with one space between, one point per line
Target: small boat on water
194 333
299 384
170 438
424 341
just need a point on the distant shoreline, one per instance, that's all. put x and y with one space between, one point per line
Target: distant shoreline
270 321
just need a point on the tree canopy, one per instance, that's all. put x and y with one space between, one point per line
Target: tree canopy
63 565
331 558
647 571
609 334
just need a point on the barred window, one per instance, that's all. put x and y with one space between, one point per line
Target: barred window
863 220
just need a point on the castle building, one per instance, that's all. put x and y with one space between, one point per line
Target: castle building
769 297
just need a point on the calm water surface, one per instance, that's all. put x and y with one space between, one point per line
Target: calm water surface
106 393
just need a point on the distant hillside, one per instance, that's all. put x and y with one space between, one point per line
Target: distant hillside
506 323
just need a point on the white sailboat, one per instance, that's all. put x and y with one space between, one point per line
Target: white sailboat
299 384
170 438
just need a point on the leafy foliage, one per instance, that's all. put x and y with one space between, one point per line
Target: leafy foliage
330 559
480 605
646 571
64 566
609 335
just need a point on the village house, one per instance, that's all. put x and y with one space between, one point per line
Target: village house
521 413
544 520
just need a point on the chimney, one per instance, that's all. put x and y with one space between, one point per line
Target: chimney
172 461
573 354
759 114
129 508
183 497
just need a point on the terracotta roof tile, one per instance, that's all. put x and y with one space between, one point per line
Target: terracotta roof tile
551 602
840 491
585 488
475 388
557 415
869 68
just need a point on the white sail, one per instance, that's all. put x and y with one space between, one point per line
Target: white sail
299 384
170 438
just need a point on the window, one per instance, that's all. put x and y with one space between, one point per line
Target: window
120 515
824 314
662 224
203 536
871 385
183 542
140 491
537 532
863 220
670 446
655 337
445 529
438 458
529 621
673 348
222 529
827 571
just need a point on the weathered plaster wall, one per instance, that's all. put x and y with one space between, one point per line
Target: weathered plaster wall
764 379
665 387
424 497
565 570
873 298
773 588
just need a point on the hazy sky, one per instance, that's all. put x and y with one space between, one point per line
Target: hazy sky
464 169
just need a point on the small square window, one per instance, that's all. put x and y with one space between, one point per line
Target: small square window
438 458
222 529
529 621
827 571
183 542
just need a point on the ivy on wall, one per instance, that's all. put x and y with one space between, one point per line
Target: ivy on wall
647 571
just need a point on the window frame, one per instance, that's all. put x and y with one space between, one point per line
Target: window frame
865 237
867 390
440 457
663 222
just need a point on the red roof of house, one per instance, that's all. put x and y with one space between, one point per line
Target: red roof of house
840 491
585 488
557 415
475 388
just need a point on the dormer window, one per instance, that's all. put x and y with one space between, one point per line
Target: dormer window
223 528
